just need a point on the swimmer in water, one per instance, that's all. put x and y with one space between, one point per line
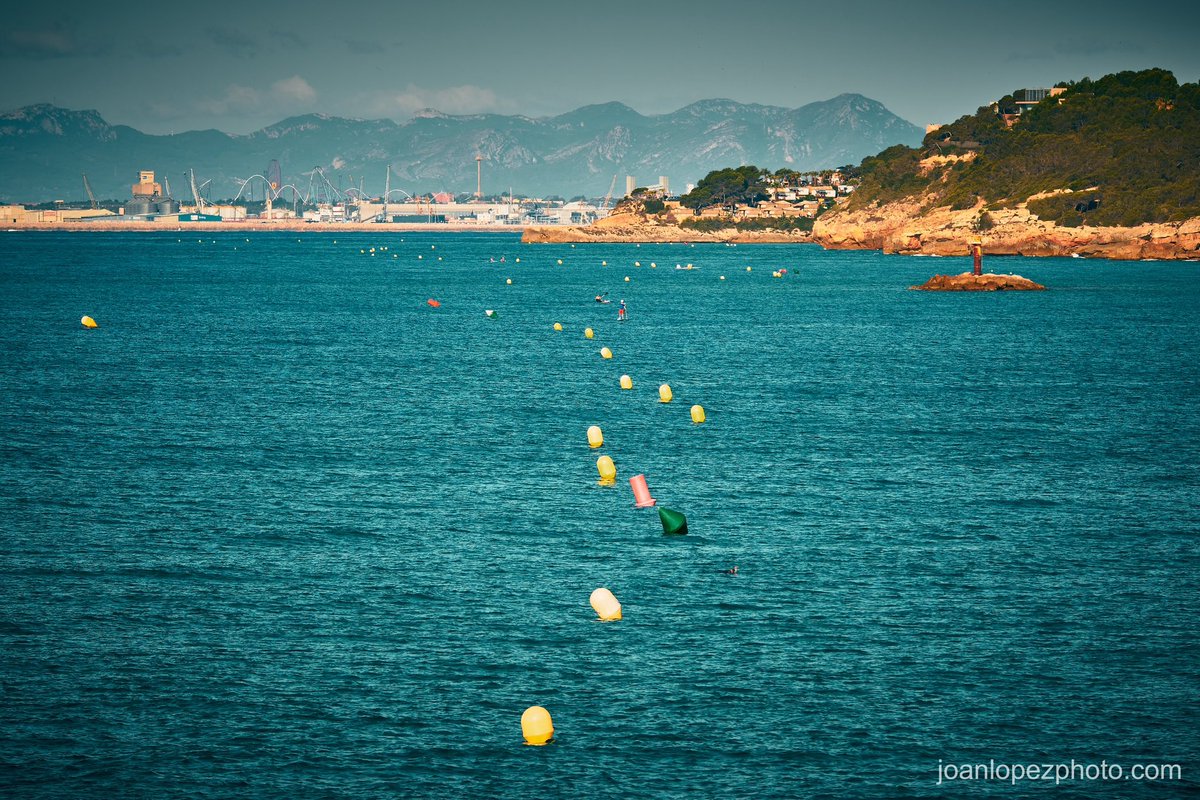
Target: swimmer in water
732 571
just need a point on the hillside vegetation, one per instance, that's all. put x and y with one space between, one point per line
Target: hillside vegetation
1127 146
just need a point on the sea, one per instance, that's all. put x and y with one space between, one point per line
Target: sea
280 528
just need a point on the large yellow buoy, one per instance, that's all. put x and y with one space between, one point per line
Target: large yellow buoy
536 725
595 436
664 393
588 333
558 326
88 322
626 382
606 606
605 352
607 470
698 414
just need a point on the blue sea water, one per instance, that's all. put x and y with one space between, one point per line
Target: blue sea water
279 529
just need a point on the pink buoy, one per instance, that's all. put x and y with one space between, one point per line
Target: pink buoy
641 492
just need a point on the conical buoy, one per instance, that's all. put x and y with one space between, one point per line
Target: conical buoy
607 470
641 492
627 279
698 414
491 314
536 725
606 605
595 436
626 382
88 322
558 326
664 393
605 352
588 333
673 522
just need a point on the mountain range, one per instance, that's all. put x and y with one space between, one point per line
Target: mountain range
43 149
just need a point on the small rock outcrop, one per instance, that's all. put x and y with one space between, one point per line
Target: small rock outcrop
970 282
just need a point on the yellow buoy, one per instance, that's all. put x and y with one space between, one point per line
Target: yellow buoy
595 436
88 322
637 263
749 269
606 605
607 470
518 261
536 725
626 382
560 261
588 333
653 265
722 277
558 326
605 352
604 263
698 414
664 393
508 282
627 279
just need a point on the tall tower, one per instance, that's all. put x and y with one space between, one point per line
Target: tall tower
478 176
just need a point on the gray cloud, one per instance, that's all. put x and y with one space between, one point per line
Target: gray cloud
52 42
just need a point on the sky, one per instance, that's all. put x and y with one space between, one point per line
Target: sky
169 67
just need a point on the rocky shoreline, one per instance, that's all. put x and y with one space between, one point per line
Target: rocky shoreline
902 228
636 228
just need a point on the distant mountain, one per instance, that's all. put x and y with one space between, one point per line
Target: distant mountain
43 149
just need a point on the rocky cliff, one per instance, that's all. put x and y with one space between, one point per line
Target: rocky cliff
903 227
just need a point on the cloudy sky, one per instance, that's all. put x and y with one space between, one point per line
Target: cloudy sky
165 67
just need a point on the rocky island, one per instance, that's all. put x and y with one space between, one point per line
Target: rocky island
970 282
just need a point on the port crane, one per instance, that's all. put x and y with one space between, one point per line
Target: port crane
608 197
87 187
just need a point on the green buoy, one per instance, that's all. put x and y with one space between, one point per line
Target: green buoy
491 314
673 522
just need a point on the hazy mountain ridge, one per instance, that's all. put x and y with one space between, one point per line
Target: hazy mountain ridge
43 148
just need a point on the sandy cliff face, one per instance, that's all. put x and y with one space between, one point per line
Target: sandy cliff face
899 228
624 227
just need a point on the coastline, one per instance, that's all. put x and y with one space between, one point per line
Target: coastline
294 226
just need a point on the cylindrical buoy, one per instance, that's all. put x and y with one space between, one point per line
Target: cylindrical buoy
641 492
88 322
664 393
698 414
588 333
536 725
607 470
433 303
605 352
673 522
606 605
558 326
595 436
626 382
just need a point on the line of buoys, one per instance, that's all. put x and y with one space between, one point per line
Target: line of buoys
88 322
698 414
673 522
606 605
626 382
595 436
605 352
641 492
664 393
536 725
607 470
